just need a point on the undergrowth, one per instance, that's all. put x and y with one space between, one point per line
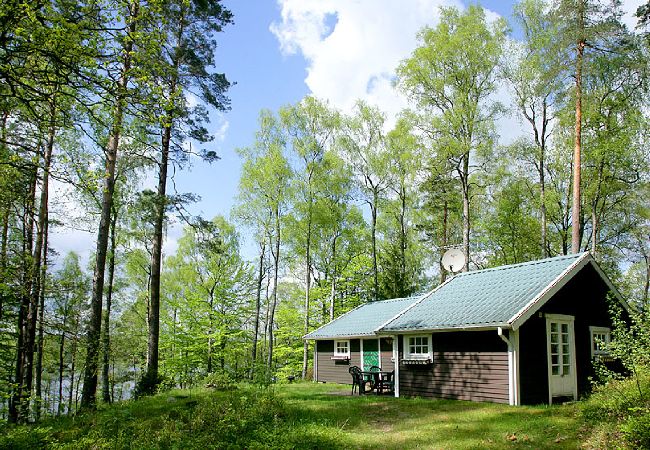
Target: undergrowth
234 419
618 413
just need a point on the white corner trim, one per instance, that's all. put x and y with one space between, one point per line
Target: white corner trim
315 377
549 291
416 302
514 386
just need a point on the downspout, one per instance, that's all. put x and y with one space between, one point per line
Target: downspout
512 340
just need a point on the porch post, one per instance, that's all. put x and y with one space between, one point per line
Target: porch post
513 364
396 360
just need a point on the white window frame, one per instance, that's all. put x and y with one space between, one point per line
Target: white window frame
607 332
339 354
417 356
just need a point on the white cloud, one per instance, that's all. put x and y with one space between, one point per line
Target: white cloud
353 47
221 130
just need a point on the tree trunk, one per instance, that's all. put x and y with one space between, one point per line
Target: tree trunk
156 263
542 183
93 335
34 296
373 230
403 289
333 291
575 211
305 349
72 370
3 250
466 220
41 314
106 332
445 219
61 353
17 409
274 294
258 297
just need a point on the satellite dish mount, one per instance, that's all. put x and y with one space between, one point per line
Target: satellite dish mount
453 260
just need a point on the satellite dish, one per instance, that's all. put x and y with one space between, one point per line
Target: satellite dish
453 260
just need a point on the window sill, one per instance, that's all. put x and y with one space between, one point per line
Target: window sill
420 361
340 357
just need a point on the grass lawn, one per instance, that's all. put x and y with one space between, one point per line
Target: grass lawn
384 422
302 415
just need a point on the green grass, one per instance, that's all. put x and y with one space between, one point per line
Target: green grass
384 422
302 415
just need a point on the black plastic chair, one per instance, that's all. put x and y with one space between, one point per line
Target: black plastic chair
358 381
386 382
356 376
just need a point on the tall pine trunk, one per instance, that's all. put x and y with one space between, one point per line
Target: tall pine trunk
93 335
151 374
575 211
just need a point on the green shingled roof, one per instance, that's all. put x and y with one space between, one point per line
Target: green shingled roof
490 297
362 321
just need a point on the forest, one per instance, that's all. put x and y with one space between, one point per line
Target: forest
101 102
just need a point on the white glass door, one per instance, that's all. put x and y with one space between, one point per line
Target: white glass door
561 356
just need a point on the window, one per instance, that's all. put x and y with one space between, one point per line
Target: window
418 347
342 348
600 337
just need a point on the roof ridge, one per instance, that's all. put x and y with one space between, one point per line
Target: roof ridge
393 299
525 263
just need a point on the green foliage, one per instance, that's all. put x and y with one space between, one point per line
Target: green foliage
219 381
618 416
621 406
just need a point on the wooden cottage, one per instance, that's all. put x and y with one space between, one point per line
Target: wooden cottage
518 334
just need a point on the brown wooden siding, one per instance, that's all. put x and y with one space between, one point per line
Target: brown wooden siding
466 366
387 363
335 371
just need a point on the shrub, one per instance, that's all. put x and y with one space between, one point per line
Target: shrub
219 381
147 385
619 409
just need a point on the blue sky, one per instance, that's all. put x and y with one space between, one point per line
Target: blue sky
278 51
